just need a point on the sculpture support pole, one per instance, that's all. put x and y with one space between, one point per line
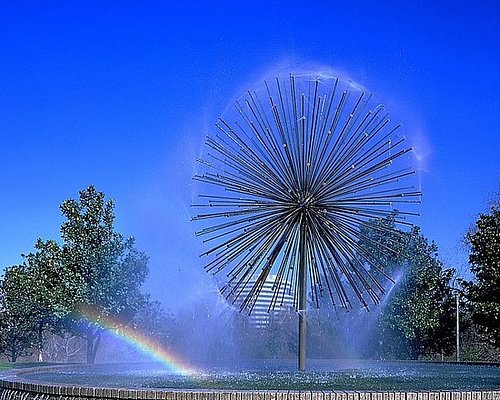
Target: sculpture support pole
458 326
302 297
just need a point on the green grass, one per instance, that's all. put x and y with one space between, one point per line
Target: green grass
4 366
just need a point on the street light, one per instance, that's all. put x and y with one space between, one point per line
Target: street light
457 297
457 314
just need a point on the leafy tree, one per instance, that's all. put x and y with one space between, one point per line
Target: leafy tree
37 294
153 320
483 293
50 290
17 331
384 243
107 271
96 273
418 317
420 312
474 344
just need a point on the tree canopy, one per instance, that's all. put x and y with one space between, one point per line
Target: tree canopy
483 293
17 333
107 269
420 311
95 273
418 316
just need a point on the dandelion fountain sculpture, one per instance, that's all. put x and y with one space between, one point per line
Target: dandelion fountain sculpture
292 176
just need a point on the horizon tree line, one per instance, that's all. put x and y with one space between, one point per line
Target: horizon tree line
94 267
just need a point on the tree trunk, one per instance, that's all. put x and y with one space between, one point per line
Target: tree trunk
93 340
40 343
415 349
13 353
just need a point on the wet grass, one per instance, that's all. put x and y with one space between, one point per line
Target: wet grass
4 366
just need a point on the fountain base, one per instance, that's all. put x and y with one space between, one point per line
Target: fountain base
79 382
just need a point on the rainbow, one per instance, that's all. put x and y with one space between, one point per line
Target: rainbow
139 340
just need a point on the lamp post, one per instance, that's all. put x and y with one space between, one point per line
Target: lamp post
457 321
457 297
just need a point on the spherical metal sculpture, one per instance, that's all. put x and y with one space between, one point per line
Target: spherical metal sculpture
293 175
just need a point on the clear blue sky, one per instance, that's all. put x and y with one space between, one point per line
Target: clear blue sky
121 94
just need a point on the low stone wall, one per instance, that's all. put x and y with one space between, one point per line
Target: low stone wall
32 391
13 387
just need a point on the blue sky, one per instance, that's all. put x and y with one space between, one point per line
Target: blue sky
121 95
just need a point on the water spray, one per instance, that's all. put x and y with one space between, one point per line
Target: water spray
289 181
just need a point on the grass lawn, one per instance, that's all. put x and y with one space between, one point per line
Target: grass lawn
4 366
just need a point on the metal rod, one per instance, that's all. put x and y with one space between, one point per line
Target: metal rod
458 325
302 296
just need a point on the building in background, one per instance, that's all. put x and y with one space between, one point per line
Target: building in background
261 314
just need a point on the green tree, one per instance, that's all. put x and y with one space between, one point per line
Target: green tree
17 331
419 314
153 320
483 293
418 317
50 292
383 243
37 294
107 271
